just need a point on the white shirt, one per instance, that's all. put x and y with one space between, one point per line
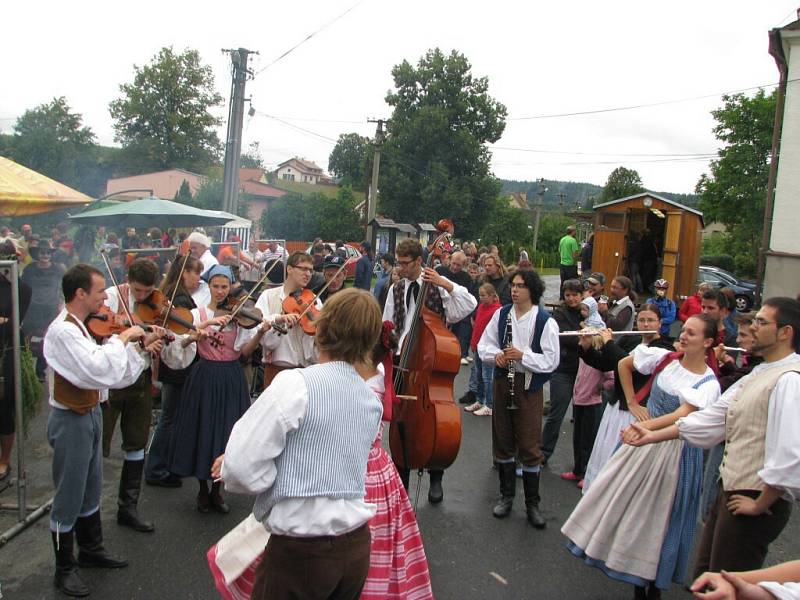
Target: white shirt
457 304
85 364
293 349
252 274
786 591
706 428
675 379
208 260
279 253
112 302
202 295
522 330
258 438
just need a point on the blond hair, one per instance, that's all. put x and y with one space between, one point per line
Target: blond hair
349 325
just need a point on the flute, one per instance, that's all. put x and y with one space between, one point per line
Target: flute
594 332
730 349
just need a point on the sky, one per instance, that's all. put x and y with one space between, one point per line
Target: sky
541 59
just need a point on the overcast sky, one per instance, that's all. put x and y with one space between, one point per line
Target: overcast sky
540 58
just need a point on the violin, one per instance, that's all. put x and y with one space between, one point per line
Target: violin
242 311
157 309
303 303
105 323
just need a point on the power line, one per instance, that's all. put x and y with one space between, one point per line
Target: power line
568 152
648 105
608 162
309 36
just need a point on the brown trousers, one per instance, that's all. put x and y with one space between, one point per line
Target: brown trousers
133 406
517 433
738 543
316 568
270 372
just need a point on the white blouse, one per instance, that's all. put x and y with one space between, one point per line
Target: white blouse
675 379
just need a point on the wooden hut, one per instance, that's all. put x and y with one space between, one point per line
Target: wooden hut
675 229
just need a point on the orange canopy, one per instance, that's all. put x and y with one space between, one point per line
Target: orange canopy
25 192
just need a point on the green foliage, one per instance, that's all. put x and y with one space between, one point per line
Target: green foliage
304 217
621 183
31 389
723 261
52 140
735 191
436 162
552 228
351 160
252 159
511 229
184 194
162 118
209 194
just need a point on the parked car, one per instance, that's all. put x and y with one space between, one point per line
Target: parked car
352 253
744 289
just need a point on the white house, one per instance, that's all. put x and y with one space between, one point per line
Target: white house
782 273
301 170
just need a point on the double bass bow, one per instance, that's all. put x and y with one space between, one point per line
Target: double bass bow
426 426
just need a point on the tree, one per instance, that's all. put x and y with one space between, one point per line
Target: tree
621 183
209 194
350 158
251 159
304 217
184 194
735 191
163 118
52 140
436 162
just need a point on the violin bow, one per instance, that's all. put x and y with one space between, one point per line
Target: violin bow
325 287
249 295
122 300
175 290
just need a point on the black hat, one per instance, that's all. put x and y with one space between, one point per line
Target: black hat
333 260
366 245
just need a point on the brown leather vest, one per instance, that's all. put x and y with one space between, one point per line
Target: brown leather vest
74 398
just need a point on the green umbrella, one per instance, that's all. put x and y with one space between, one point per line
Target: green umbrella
150 212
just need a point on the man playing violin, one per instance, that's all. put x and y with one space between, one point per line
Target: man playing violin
450 300
81 372
133 404
295 349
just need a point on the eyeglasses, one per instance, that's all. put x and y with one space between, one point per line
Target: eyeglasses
759 322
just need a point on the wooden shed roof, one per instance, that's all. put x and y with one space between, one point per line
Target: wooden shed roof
657 197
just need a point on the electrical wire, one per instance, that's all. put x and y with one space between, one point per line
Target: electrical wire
309 36
648 105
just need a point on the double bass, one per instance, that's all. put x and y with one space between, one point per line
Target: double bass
425 431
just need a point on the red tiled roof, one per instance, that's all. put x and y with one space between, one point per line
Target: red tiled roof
257 188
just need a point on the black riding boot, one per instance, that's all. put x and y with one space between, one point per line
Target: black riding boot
130 486
530 483
508 487
91 552
216 500
67 579
435 492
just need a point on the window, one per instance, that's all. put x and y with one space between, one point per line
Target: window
613 220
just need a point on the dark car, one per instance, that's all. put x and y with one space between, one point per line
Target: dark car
744 289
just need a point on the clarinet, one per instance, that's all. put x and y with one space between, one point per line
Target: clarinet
510 404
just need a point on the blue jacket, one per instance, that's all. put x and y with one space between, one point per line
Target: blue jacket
668 311
363 273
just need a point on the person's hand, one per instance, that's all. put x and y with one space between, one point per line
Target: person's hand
640 412
500 360
719 353
727 586
131 334
264 327
743 505
512 353
640 435
155 347
156 333
585 341
216 468
289 319
219 321
431 276
607 335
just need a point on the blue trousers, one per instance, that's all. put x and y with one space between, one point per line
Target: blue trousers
77 465
158 456
561 385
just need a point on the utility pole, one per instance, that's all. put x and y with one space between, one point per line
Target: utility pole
561 196
233 143
537 209
372 197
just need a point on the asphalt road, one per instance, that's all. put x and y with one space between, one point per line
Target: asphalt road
470 553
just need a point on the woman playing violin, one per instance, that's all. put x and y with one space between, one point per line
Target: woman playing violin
215 393
296 349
